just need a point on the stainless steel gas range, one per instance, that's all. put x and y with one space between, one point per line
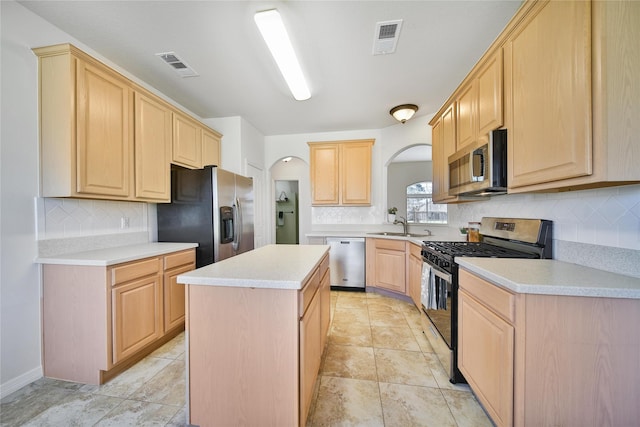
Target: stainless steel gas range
501 238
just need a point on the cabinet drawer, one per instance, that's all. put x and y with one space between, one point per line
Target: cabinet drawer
179 258
126 272
308 291
495 298
394 245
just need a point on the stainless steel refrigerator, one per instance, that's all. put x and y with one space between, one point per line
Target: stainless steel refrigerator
211 207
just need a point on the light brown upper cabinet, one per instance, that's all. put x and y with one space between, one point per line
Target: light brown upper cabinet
573 114
341 172
570 96
549 82
104 137
194 145
152 148
187 141
210 148
443 140
86 131
479 104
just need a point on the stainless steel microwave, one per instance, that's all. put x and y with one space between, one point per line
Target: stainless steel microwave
480 169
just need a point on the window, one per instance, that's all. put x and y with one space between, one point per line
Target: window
420 206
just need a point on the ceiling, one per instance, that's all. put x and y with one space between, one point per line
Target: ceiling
438 44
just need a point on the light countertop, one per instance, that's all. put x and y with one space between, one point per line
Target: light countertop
272 266
551 277
115 255
418 239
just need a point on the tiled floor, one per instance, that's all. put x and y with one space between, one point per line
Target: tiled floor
378 370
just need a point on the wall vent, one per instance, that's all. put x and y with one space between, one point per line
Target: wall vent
386 37
177 64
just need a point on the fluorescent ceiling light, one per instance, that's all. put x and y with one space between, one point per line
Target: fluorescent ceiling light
275 35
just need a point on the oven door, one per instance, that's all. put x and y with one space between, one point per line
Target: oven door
436 299
441 320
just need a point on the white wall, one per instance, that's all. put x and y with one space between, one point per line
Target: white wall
399 176
19 276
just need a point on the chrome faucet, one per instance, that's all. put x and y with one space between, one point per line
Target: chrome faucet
404 224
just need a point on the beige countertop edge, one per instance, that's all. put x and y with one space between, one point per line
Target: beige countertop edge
552 277
115 255
268 267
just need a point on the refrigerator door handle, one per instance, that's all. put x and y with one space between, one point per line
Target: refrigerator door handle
237 225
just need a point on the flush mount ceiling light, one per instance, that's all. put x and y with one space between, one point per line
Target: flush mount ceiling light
287 159
275 35
403 112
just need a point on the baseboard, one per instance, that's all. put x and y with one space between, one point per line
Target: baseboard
17 383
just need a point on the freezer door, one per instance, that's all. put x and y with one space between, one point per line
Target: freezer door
223 196
189 216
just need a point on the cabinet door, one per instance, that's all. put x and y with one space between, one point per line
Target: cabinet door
486 357
104 132
187 141
137 315
356 173
490 84
174 303
466 115
415 276
390 270
444 145
152 148
210 148
325 306
550 103
310 354
439 162
325 168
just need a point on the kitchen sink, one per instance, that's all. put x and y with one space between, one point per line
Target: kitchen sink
388 233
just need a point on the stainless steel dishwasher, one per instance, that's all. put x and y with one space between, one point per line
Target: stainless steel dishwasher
347 263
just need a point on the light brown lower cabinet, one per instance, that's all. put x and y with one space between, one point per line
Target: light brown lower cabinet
538 360
414 272
254 353
137 315
325 301
98 321
386 264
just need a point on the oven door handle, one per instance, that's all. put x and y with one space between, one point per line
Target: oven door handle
444 276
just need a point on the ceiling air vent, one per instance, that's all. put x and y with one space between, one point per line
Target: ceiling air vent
177 64
386 37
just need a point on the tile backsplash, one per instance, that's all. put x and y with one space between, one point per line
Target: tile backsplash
68 218
606 217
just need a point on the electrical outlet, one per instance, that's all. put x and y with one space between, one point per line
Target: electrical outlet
124 222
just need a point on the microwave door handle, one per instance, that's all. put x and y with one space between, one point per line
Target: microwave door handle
477 165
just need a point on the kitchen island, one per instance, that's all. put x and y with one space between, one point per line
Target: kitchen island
545 342
256 328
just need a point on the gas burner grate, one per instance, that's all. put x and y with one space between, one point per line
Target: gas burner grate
473 249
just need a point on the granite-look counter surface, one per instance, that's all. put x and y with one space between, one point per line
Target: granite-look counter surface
552 277
116 255
271 267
